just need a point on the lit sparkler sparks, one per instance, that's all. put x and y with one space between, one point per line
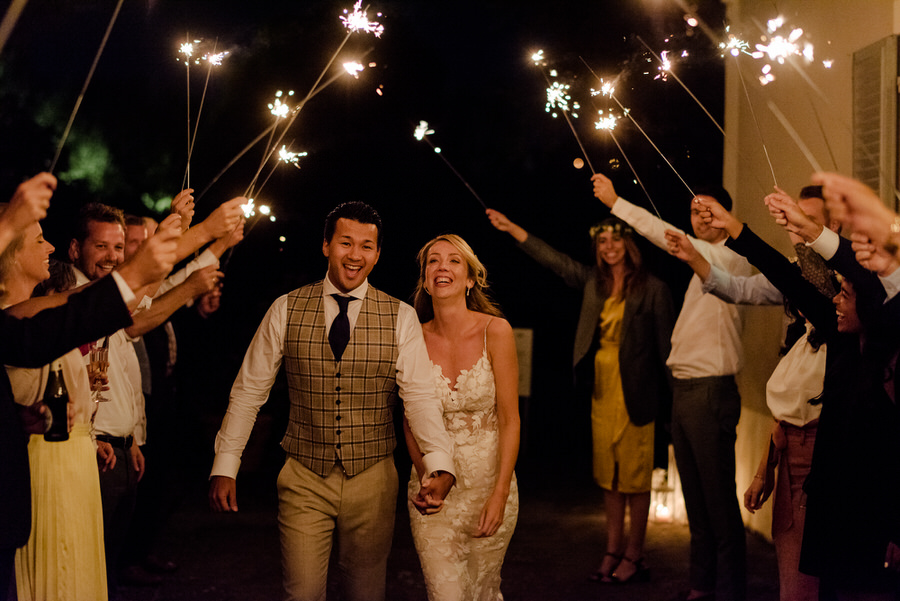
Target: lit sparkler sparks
558 98
538 58
358 21
734 45
664 67
279 108
781 48
354 68
607 88
422 130
608 122
291 158
215 59
187 49
249 209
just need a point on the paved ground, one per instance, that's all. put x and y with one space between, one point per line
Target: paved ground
556 545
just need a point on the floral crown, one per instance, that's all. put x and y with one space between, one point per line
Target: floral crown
617 227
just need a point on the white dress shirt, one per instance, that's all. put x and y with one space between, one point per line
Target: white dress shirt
263 360
706 340
741 290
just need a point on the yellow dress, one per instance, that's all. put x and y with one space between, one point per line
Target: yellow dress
623 452
64 557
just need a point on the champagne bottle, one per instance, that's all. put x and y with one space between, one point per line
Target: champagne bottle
56 398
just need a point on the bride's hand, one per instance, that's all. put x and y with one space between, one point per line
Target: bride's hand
491 515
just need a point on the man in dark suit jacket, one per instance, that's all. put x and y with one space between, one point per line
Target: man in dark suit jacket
88 315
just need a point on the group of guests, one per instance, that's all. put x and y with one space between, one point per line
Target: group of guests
352 352
69 506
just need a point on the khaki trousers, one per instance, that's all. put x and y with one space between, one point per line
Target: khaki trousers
356 514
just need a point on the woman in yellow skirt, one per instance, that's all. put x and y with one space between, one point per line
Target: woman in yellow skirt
630 313
64 556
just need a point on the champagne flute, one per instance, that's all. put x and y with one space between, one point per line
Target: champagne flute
99 363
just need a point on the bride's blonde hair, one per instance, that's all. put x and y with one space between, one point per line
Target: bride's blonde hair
476 300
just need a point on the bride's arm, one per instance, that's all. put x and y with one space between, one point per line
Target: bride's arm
502 353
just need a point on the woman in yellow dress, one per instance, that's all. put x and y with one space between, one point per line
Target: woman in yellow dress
630 312
64 556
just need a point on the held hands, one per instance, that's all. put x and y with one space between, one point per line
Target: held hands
225 218
680 246
856 206
430 498
502 223
715 215
203 280
604 190
874 258
156 256
223 493
788 214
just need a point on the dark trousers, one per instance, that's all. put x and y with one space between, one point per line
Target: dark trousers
705 413
118 489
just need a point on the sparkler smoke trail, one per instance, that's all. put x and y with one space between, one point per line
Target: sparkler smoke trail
681 83
214 60
84 88
356 21
793 133
609 91
421 133
558 98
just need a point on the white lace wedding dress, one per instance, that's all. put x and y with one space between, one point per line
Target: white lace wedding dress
458 567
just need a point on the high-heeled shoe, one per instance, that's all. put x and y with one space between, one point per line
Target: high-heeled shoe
599 576
641 572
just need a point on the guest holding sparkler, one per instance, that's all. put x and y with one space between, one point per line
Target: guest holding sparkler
855 461
792 392
476 375
706 354
63 557
629 313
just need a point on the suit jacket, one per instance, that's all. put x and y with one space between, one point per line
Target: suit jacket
854 479
34 342
646 330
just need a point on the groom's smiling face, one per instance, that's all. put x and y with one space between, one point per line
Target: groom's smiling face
352 253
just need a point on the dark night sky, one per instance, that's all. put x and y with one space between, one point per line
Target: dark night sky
462 66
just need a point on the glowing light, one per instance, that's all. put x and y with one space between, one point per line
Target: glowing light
248 209
775 24
354 68
215 59
608 122
828 63
538 57
692 21
358 21
578 163
279 108
282 239
607 88
187 49
780 47
265 209
665 67
291 158
734 45
422 130
437 149
558 99
272 218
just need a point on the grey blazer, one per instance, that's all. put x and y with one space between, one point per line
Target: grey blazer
646 330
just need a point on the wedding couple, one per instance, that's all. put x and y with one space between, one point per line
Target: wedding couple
348 350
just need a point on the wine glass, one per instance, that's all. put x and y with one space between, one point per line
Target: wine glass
99 363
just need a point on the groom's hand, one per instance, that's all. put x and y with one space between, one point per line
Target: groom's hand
430 499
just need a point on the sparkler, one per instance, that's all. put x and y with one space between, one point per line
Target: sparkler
558 99
214 59
354 68
87 81
354 21
755 120
421 133
793 133
608 89
187 49
666 67
284 156
608 124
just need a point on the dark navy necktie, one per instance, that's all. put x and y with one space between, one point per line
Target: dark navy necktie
339 335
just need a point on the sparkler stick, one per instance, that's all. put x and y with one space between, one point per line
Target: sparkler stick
793 133
87 81
609 124
252 143
681 83
188 49
421 133
213 60
557 97
284 156
355 21
755 120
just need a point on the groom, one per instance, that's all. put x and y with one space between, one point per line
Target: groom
347 349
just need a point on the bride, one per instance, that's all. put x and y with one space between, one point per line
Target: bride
476 374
